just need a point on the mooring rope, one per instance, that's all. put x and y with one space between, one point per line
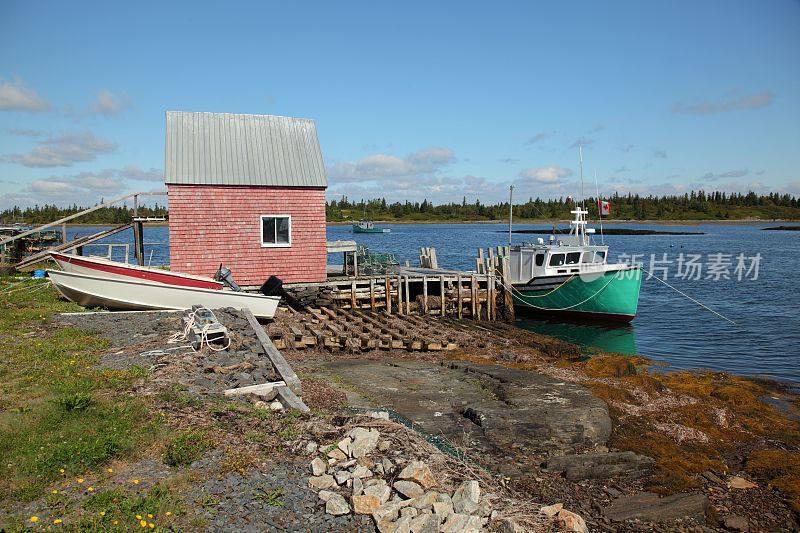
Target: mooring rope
522 296
701 304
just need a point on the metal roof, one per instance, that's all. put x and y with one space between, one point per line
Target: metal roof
228 149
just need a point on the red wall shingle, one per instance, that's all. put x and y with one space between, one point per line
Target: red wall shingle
213 224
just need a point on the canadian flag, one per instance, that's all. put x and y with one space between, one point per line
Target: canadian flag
604 208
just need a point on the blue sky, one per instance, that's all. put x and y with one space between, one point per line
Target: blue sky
412 100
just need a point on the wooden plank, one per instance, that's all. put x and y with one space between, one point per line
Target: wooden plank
290 400
444 296
280 364
353 303
408 297
388 295
424 295
473 293
372 294
399 295
263 388
460 299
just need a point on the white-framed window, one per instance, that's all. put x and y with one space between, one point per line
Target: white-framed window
276 231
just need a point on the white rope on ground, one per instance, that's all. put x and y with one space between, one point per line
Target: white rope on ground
701 304
30 288
189 320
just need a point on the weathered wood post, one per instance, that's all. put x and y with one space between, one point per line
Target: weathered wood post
138 241
353 303
399 295
408 296
473 296
388 281
424 295
372 294
460 299
444 301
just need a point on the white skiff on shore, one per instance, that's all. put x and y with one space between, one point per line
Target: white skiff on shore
129 294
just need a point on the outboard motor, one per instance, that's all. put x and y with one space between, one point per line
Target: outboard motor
272 287
224 275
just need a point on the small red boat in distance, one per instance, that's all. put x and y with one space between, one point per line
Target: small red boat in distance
103 268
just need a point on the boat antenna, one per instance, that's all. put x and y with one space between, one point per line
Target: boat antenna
510 210
580 156
599 208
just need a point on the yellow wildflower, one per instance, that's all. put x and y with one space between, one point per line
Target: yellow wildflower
138 517
143 523
168 513
57 521
80 480
135 481
61 470
151 525
102 513
90 489
110 470
115 522
54 491
149 516
34 519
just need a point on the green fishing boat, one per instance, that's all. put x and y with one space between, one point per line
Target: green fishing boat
365 226
569 276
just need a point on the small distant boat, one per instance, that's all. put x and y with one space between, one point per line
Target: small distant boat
104 268
366 226
130 294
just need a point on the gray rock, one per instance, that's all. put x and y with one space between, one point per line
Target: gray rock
425 501
648 506
364 442
324 481
342 476
736 523
600 465
425 523
508 525
461 523
362 472
311 447
409 489
337 505
419 472
443 509
318 466
358 486
380 489
325 495
276 405
467 497
408 511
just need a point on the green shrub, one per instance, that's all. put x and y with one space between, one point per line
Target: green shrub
76 401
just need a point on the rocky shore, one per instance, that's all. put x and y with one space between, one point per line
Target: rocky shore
513 432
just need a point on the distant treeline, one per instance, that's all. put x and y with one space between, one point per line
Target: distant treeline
691 206
41 214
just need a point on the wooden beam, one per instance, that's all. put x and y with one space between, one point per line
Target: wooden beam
460 299
424 295
444 297
264 388
408 297
388 295
280 364
372 294
290 400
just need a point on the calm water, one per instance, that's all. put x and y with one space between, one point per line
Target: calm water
669 328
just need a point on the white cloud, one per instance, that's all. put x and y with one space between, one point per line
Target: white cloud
709 107
378 167
15 96
63 150
549 174
710 176
108 104
133 172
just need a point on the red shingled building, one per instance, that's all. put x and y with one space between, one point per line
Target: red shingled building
247 191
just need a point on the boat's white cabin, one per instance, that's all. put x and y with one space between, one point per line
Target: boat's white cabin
562 254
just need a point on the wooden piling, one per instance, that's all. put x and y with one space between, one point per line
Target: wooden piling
473 296
372 294
408 297
424 295
388 295
460 299
399 295
353 303
444 297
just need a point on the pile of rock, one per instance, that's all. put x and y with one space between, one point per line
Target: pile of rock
357 475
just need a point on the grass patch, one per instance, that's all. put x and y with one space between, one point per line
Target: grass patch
58 409
186 448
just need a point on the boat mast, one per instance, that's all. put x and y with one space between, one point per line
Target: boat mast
510 210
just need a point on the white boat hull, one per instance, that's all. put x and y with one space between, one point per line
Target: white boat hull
104 268
128 294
